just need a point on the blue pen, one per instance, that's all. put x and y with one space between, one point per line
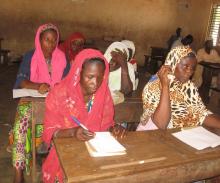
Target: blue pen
78 123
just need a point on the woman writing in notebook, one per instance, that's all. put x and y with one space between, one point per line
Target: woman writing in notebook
83 94
41 69
172 102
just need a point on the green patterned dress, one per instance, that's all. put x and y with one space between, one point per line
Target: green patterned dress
21 149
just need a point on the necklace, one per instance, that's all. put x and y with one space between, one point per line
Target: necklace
48 61
90 103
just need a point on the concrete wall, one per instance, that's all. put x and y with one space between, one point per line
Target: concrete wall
146 22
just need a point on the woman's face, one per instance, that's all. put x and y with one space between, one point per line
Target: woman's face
185 69
77 45
118 58
91 77
48 41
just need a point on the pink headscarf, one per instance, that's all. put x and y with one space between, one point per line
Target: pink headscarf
66 99
39 69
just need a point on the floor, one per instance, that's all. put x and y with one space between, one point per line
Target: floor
7 112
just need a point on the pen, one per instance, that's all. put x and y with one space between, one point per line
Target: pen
78 123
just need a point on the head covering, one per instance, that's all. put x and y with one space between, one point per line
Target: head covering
39 68
129 44
66 45
175 56
115 45
187 108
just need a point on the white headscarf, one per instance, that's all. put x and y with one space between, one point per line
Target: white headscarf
115 45
129 44
115 76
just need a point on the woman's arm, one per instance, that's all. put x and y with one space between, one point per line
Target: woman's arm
29 84
162 114
24 69
23 76
126 84
78 132
212 120
40 87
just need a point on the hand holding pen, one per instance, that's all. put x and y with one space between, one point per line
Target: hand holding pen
82 133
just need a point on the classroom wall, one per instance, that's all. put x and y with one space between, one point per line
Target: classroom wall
146 22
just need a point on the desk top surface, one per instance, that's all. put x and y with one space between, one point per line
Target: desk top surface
152 156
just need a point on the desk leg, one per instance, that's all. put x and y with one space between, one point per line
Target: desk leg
206 84
33 149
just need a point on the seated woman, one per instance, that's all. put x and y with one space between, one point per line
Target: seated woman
172 102
122 74
41 69
208 54
84 94
72 46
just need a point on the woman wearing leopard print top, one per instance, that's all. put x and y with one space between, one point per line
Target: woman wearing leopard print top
171 100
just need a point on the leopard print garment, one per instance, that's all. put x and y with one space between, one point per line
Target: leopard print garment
187 108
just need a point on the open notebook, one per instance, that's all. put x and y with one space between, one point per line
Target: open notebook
198 137
18 93
104 144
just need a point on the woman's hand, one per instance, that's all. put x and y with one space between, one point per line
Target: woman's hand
43 88
83 135
163 75
118 131
119 57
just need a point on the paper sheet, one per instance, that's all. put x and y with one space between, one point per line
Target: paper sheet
198 137
104 144
18 93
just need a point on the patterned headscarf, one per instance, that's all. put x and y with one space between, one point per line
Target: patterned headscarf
187 108
176 54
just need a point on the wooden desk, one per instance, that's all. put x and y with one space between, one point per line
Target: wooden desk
166 160
208 71
128 111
